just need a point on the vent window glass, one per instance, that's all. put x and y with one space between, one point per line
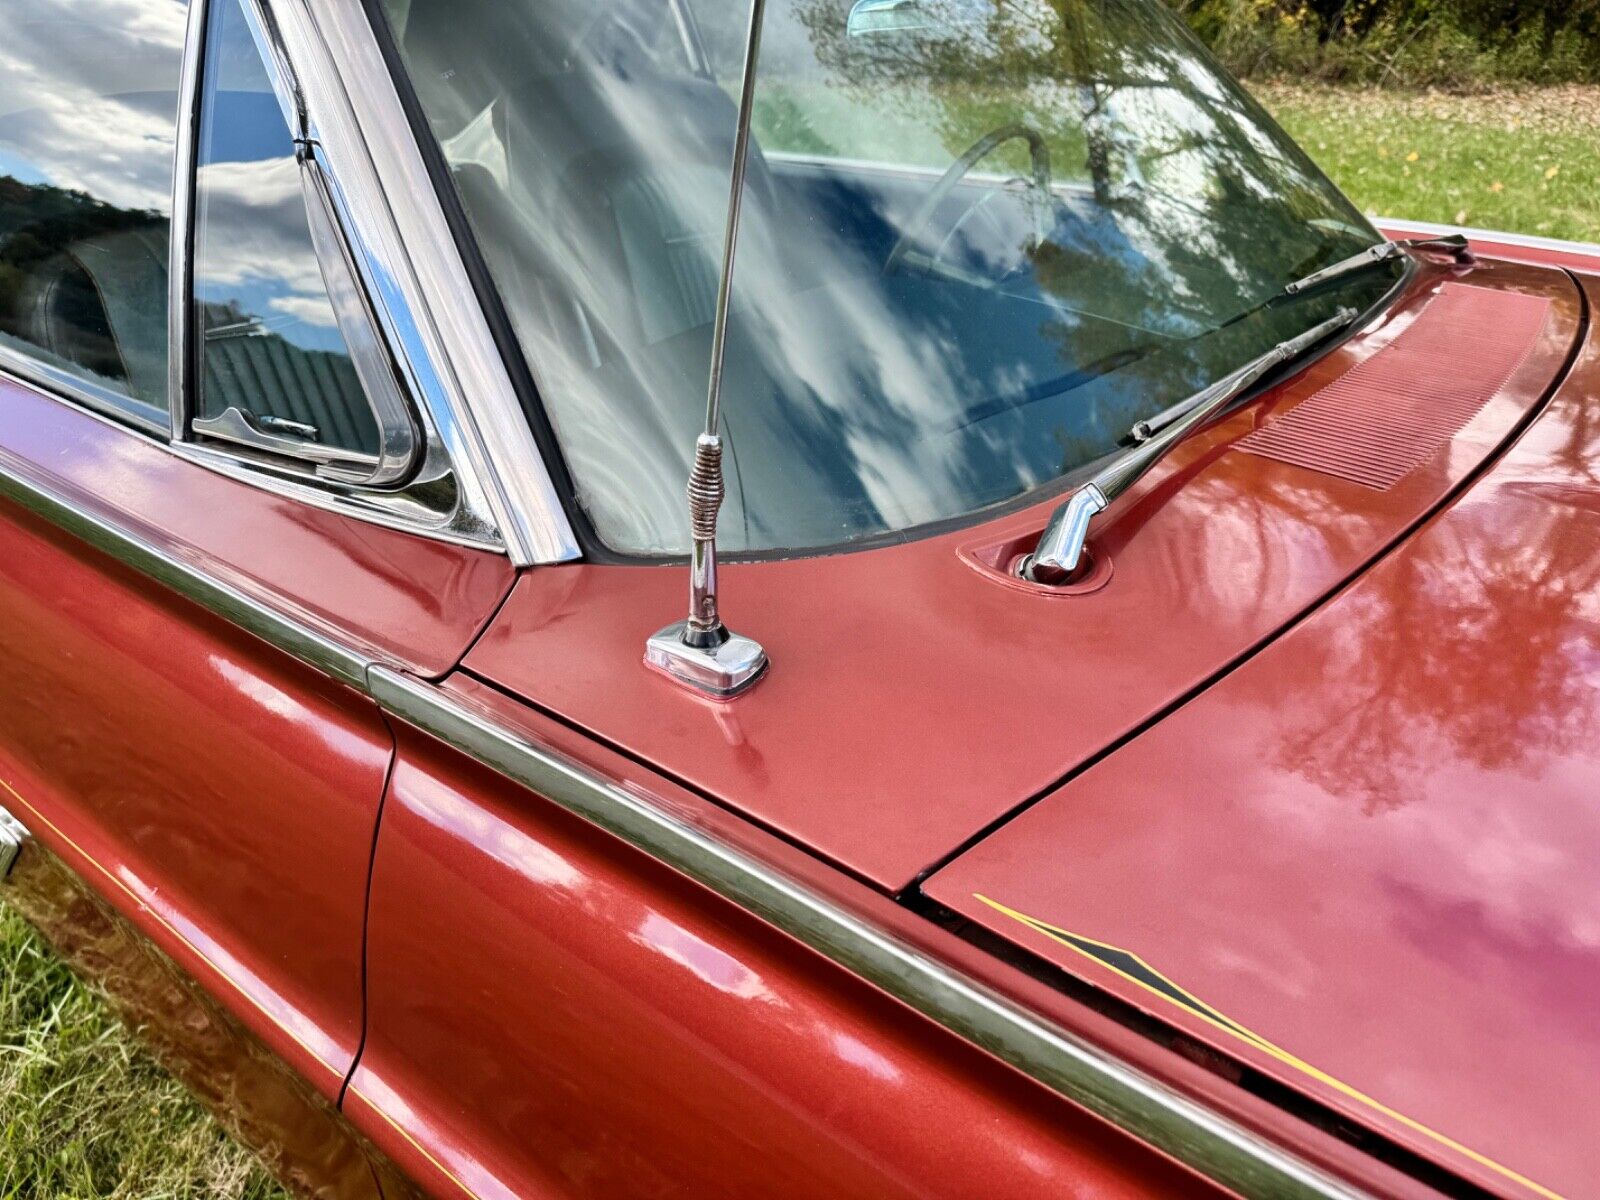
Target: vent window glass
276 371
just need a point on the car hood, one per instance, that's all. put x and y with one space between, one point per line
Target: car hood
919 693
1365 862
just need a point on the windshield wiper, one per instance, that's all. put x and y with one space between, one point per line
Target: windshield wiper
1056 558
1455 244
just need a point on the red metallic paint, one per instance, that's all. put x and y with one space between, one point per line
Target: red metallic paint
396 596
221 795
297 1134
553 1014
1373 846
914 699
1164 1059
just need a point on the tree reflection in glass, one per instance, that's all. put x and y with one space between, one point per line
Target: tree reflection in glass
908 344
88 107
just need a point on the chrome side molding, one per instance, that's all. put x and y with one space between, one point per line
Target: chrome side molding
1210 1143
177 574
13 837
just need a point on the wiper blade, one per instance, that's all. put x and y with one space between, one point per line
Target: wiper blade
1056 558
1455 244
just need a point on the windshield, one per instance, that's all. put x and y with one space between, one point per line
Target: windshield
982 238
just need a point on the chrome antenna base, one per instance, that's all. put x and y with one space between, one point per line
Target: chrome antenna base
721 670
700 652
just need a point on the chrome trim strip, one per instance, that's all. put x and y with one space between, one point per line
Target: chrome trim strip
400 440
1490 235
124 411
406 511
306 644
1208 1142
370 143
285 80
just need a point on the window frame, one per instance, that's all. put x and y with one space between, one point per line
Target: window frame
480 480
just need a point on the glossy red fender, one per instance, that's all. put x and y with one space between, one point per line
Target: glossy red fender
918 695
222 795
555 1015
1366 860
391 595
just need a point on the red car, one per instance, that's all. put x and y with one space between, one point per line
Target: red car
1147 740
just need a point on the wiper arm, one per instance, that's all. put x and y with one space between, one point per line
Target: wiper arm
1142 431
1056 558
1455 244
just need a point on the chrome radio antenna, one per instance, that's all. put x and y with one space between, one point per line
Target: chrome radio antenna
701 652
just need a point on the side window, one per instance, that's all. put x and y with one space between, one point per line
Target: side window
88 110
288 362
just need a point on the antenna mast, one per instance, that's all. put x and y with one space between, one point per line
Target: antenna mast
700 651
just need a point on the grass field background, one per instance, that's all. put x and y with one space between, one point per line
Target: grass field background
1526 162
84 1113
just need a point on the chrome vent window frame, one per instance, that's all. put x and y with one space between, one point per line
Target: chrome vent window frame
382 384
443 486
419 282
480 479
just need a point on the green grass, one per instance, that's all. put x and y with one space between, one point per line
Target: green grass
1524 162
83 1111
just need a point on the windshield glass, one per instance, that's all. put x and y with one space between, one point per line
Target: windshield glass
981 239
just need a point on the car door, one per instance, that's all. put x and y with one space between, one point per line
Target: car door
219 502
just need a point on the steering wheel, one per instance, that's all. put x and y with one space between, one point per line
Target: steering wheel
1039 187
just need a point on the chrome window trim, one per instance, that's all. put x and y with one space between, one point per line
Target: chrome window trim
400 439
443 498
423 286
122 410
180 258
1427 228
1208 1142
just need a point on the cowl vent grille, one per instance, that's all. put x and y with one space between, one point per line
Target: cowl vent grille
1387 415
